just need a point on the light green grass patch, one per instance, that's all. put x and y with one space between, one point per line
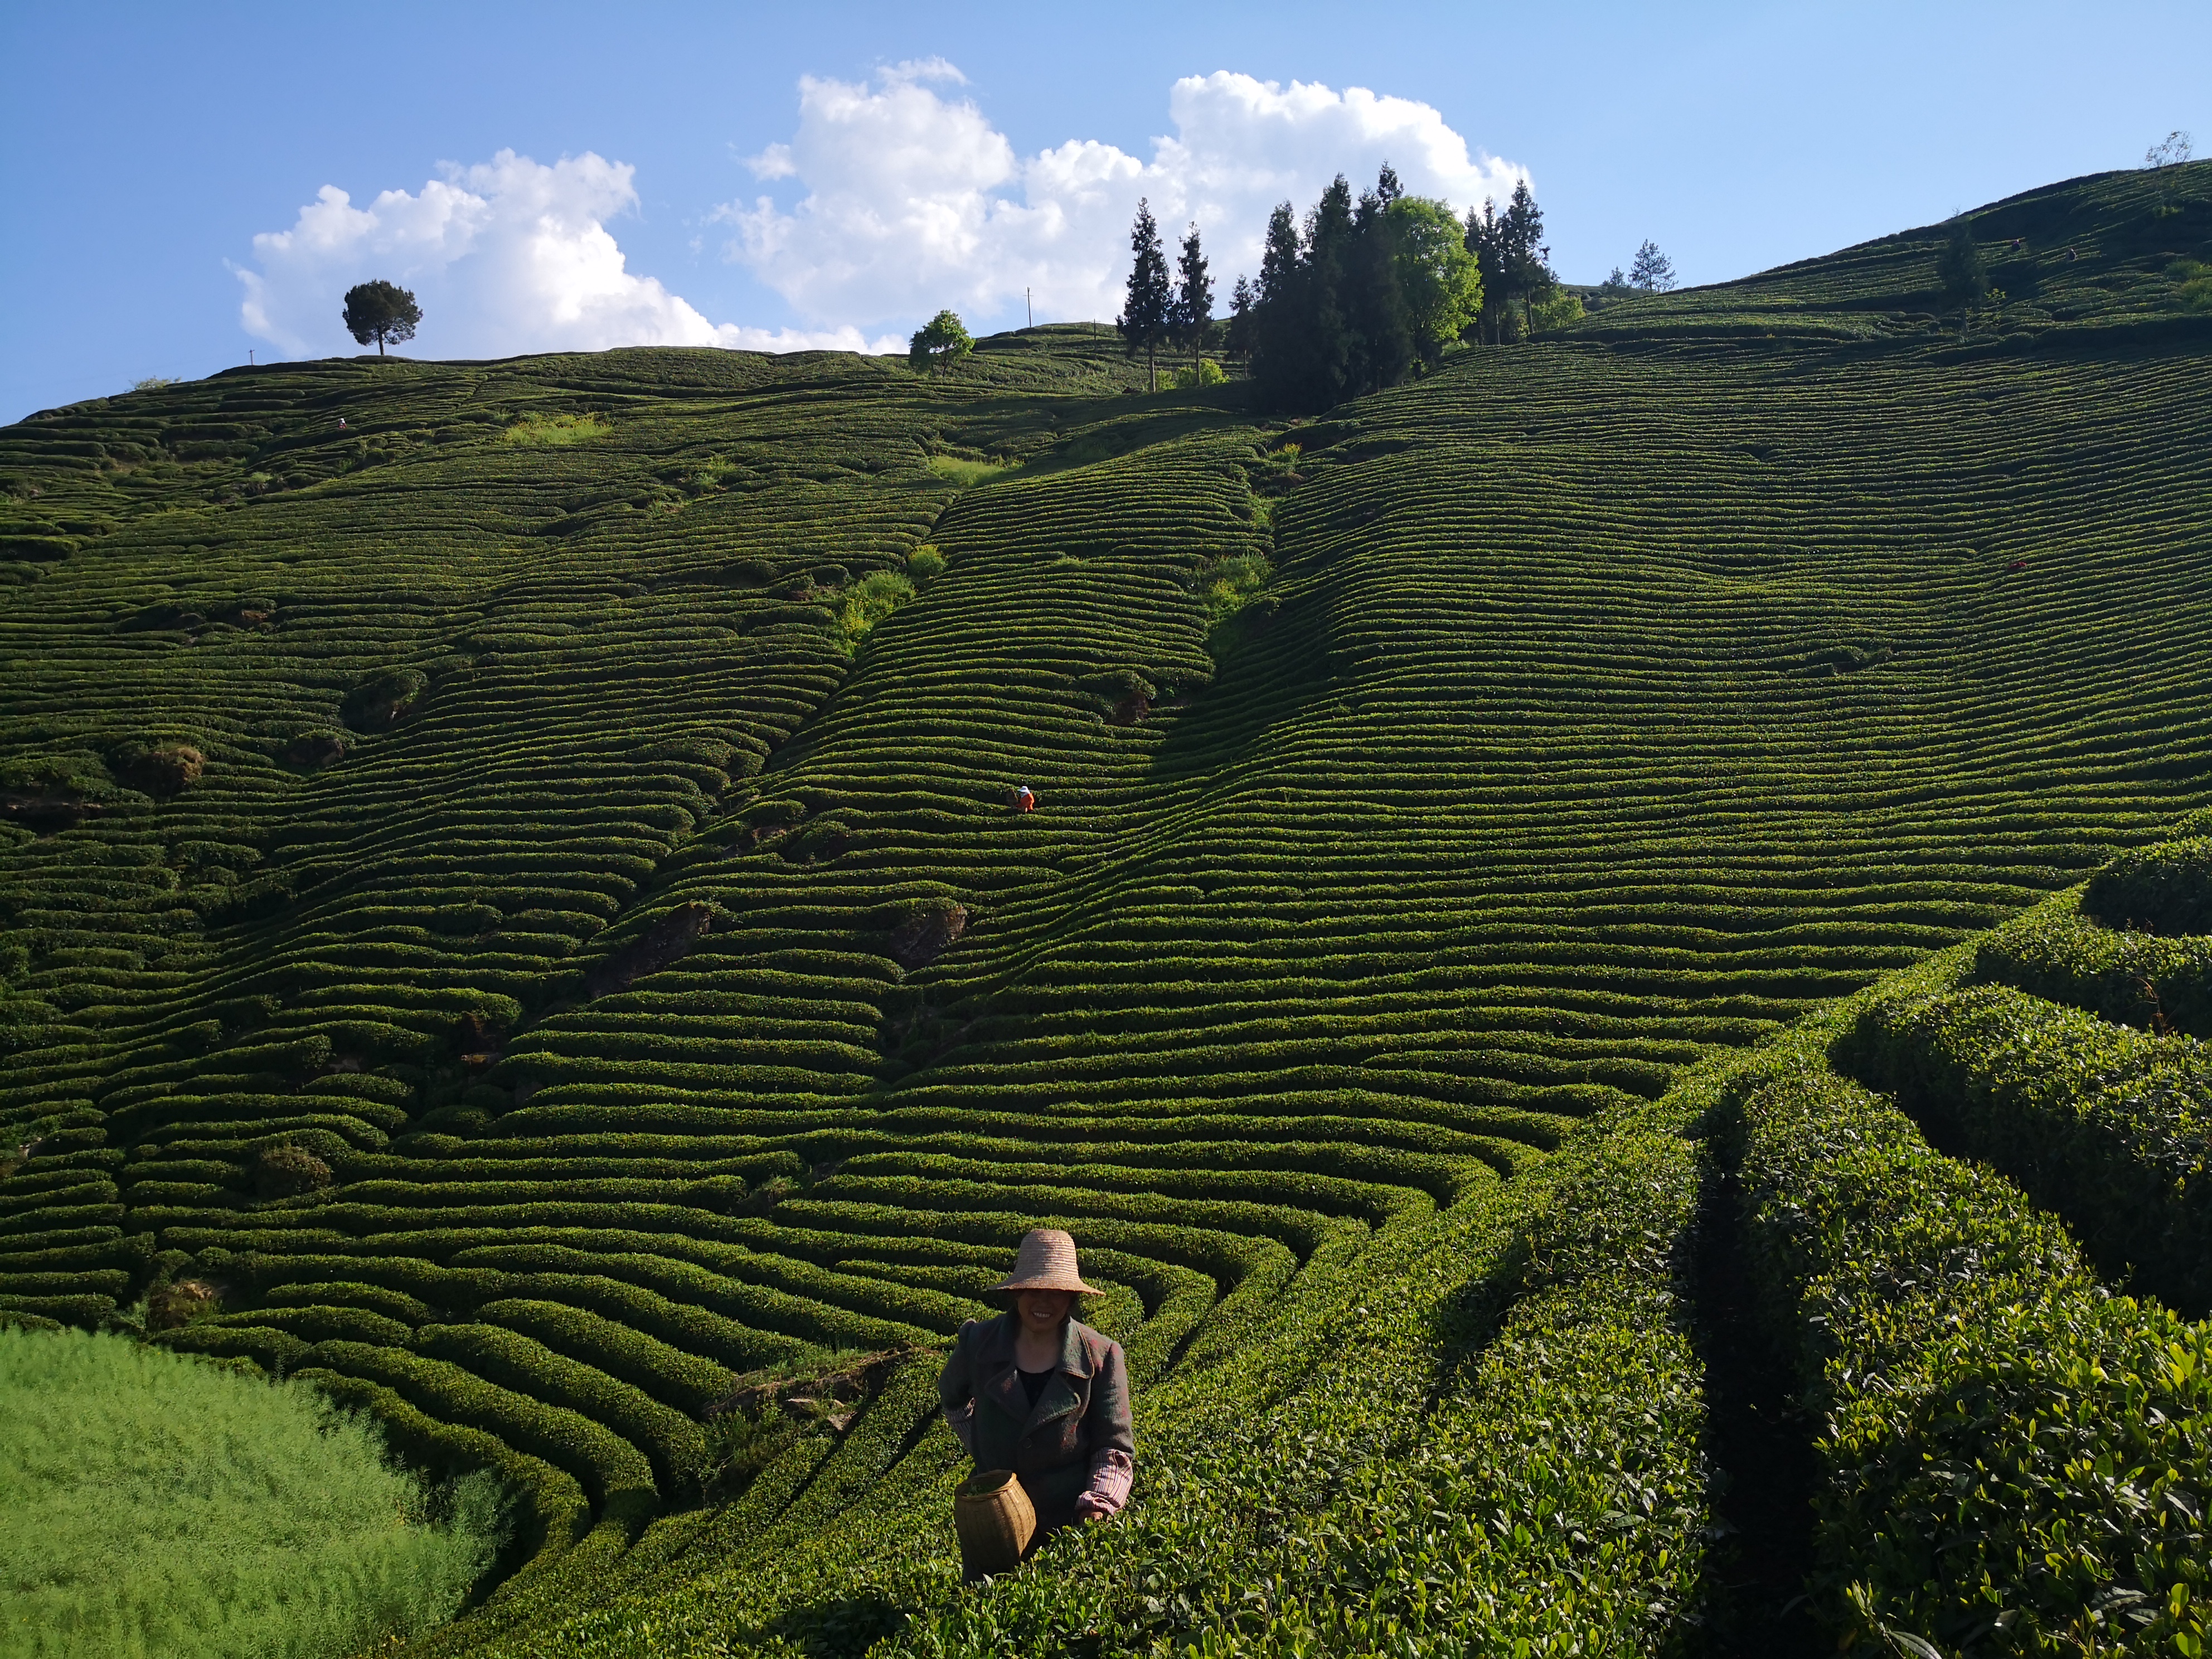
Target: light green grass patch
1229 584
954 470
867 602
159 1507
2196 278
557 431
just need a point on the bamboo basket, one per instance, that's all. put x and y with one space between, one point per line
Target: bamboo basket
996 1520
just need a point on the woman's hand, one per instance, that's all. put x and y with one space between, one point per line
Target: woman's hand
1089 1506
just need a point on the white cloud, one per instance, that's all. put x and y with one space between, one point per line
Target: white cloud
508 255
908 199
914 201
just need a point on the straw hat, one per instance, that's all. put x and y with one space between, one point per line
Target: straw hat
1046 1262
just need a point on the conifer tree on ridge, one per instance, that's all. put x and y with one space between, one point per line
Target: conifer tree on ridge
1149 309
1653 271
1194 299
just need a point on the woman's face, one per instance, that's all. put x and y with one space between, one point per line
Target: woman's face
1042 1310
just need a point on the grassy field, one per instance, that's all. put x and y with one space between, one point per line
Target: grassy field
157 1507
514 903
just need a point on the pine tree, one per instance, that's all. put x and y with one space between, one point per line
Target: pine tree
1485 241
1326 260
1149 310
1380 335
1193 298
1278 315
1653 269
1521 233
1959 271
1278 262
1241 299
380 311
1345 307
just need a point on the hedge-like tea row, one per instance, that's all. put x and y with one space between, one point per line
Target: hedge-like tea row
2012 1459
2134 979
2108 1127
2166 889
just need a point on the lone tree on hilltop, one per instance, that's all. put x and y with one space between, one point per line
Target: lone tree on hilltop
2169 152
1149 310
1193 299
1653 271
378 311
940 340
1959 271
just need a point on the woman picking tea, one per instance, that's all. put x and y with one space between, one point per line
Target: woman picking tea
1038 1392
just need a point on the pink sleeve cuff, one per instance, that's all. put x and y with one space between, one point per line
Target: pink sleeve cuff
1111 1472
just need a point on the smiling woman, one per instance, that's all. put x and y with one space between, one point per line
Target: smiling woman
159 1506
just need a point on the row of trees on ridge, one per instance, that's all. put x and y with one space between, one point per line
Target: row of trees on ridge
1358 295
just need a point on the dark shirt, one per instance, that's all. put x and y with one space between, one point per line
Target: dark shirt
1033 1384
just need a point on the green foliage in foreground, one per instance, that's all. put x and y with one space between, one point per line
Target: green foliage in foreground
161 1507
2013 1460
1475 1432
556 431
2143 980
2106 1126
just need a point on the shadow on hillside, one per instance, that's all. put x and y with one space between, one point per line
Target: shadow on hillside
1275 661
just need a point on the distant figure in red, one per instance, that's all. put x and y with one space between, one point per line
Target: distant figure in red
1024 799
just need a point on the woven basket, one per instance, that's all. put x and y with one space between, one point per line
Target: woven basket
995 1521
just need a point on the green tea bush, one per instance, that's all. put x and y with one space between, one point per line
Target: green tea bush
183 1510
2013 1460
2141 980
2166 889
2110 1127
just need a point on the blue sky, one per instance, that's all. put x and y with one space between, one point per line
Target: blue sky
145 148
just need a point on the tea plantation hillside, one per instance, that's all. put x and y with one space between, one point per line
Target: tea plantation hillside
513 912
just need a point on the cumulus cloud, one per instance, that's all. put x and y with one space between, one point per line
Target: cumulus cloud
913 200
508 255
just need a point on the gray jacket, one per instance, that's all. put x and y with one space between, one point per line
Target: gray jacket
1076 1439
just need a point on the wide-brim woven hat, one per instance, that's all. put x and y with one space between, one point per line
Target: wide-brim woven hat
1046 1262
